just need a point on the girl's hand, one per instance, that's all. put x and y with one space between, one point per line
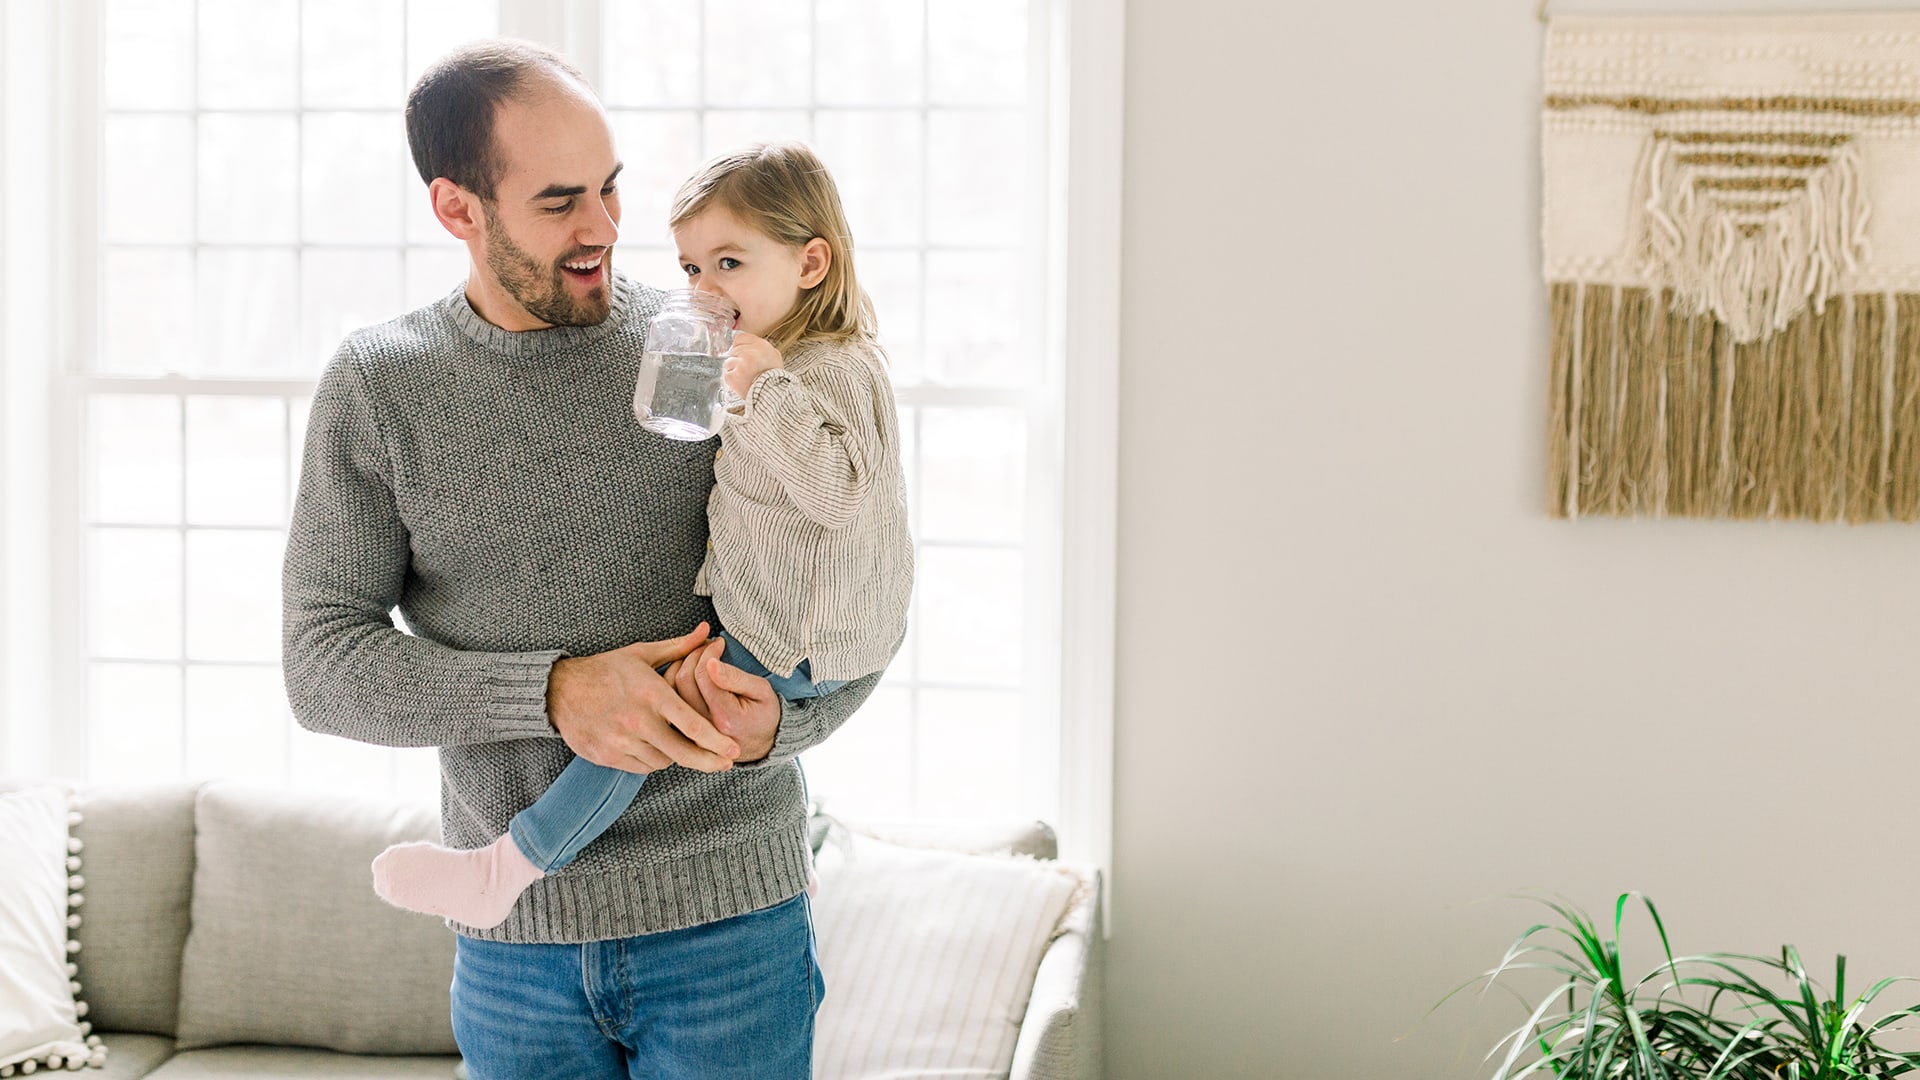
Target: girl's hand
750 355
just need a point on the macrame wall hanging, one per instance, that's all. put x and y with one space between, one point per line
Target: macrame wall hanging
1732 250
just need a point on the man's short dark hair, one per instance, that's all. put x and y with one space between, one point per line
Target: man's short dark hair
451 109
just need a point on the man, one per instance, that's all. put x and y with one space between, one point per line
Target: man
476 465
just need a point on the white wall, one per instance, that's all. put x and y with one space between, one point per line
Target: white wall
1364 681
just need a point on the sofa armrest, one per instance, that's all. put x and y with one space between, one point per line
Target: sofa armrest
1060 1037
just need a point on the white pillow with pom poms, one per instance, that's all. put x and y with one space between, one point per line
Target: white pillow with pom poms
40 1015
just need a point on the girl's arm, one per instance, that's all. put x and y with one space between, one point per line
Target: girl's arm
818 430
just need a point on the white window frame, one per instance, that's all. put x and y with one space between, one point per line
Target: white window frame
42 727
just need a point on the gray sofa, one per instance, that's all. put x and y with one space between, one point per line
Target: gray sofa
231 931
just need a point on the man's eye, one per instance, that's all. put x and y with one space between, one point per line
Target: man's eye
609 191
729 264
560 209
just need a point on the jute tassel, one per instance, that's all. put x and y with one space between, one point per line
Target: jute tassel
1656 411
1755 417
1598 461
1826 460
1866 424
1903 460
1641 431
1562 307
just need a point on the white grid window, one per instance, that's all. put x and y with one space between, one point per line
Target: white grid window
256 204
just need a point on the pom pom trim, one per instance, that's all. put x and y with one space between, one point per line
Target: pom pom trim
89 1051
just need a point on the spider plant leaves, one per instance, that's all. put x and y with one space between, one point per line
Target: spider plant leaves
1718 1016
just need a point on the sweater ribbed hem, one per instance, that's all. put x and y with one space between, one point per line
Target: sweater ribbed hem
517 693
569 909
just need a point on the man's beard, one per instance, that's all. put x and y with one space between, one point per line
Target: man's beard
542 290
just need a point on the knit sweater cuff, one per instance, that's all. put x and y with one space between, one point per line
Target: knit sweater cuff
797 733
517 693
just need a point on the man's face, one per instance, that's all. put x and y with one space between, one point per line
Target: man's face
546 256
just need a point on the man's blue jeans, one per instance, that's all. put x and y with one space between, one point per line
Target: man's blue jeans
724 1001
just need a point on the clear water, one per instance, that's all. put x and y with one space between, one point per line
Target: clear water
680 395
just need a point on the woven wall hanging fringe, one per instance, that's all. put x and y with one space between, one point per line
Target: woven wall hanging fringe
1732 250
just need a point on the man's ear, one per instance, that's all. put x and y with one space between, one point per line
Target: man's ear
815 258
459 210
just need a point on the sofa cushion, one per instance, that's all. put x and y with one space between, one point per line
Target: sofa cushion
285 1063
139 869
930 956
130 1057
289 944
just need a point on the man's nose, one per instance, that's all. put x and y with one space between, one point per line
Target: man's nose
600 229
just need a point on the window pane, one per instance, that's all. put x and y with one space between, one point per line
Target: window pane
971 617
133 723
728 129
347 768
148 180
866 769
649 56
973 466
976 178
233 595
247 300
660 150
237 723
351 53
297 412
434 27
249 54
910 465
148 62
352 175
892 280
964 736
133 458
871 52
234 464
249 178
875 157
980 311
978 51
147 312
757 53
343 291
658 267
422 227
133 593
432 273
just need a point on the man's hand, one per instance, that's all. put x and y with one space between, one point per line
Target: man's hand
614 709
741 705
750 356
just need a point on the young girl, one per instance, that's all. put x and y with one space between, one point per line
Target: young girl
810 565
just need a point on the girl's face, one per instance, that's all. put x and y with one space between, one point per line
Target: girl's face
763 277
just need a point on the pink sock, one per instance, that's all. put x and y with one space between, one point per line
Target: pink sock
475 888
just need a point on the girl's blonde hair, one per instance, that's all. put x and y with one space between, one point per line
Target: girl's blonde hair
784 191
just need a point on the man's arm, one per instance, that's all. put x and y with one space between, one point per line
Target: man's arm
349 670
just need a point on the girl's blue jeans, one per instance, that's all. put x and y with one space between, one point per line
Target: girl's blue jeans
727 1000
586 798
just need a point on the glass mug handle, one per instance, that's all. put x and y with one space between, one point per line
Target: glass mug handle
729 400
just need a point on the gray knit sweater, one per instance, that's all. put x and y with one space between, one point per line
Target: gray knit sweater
495 489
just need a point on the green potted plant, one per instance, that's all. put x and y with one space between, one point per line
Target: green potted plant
1713 1016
